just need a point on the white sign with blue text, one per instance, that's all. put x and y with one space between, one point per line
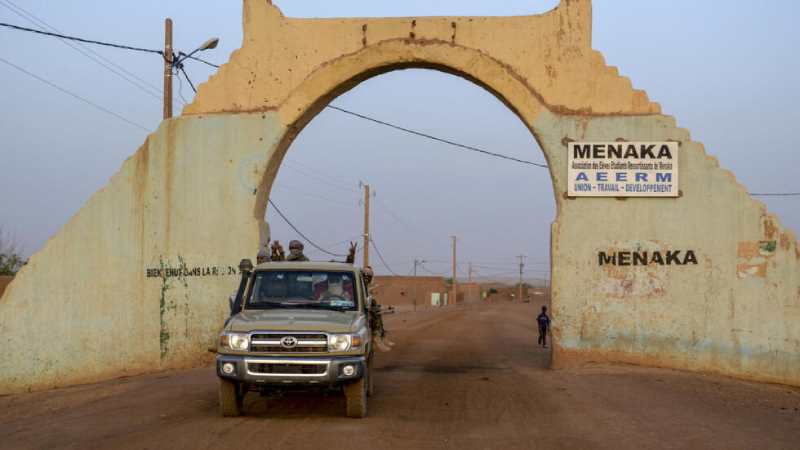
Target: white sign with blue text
623 169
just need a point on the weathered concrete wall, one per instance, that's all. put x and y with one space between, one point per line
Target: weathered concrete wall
95 303
737 311
138 279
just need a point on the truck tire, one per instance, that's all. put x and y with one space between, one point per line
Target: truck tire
230 398
356 395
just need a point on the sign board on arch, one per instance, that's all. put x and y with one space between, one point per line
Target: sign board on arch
622 169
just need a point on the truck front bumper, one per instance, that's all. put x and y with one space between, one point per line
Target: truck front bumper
291 370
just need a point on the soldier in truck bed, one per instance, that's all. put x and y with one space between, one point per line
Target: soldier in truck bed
296 251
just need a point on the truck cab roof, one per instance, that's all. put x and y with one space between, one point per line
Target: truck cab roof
307 265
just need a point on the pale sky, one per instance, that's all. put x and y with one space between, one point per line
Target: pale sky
726 70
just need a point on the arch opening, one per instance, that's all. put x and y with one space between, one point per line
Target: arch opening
515 205
314 108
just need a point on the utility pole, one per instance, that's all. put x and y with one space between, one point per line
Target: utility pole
469 280
417 262
168 68
455 283
366 225
521 265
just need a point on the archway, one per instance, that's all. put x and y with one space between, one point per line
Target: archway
427 191
164 286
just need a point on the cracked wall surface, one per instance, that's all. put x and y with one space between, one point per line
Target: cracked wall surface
138 279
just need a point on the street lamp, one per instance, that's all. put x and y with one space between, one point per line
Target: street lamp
174 62
207 45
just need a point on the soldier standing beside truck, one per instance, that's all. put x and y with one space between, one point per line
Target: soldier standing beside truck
376 315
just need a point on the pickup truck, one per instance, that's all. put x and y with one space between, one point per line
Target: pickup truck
297 326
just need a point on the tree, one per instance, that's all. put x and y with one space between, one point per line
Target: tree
10 255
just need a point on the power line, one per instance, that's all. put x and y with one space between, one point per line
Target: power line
185 75
438 139
325 180
385 209
128 76
775 194
430 271
198 59
180 89
294 190
87 41
76 96
383 261
346 241
288 222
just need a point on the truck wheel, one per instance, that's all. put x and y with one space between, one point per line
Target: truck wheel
356 395
230 399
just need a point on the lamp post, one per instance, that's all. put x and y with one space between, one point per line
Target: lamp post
171 62
207 45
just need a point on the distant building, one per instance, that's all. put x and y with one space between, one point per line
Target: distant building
406 292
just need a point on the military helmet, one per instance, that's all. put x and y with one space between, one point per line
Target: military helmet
295 244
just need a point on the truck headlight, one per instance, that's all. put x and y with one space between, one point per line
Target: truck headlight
339 342
235 341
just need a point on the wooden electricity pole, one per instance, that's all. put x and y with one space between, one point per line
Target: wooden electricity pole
417 262
366 225
469 281
454 294
521 265
167 68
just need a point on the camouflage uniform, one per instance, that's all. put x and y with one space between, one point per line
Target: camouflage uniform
375 316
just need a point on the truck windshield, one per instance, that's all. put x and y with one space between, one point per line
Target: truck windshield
303 289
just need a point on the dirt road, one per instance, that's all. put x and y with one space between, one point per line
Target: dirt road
461 378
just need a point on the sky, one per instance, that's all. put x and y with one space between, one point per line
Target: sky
727 74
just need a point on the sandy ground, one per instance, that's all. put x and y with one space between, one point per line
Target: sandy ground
460 378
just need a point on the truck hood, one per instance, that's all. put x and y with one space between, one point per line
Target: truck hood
295 320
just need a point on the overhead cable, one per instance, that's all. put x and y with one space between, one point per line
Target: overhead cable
198 59
438 139
87 41
84 50
289 222
76 96
185 75
775 194
380 256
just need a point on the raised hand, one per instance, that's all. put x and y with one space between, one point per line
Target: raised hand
351 254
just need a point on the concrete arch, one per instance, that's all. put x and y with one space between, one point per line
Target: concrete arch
137 280
337 77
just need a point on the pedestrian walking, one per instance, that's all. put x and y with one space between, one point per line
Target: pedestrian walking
544 326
